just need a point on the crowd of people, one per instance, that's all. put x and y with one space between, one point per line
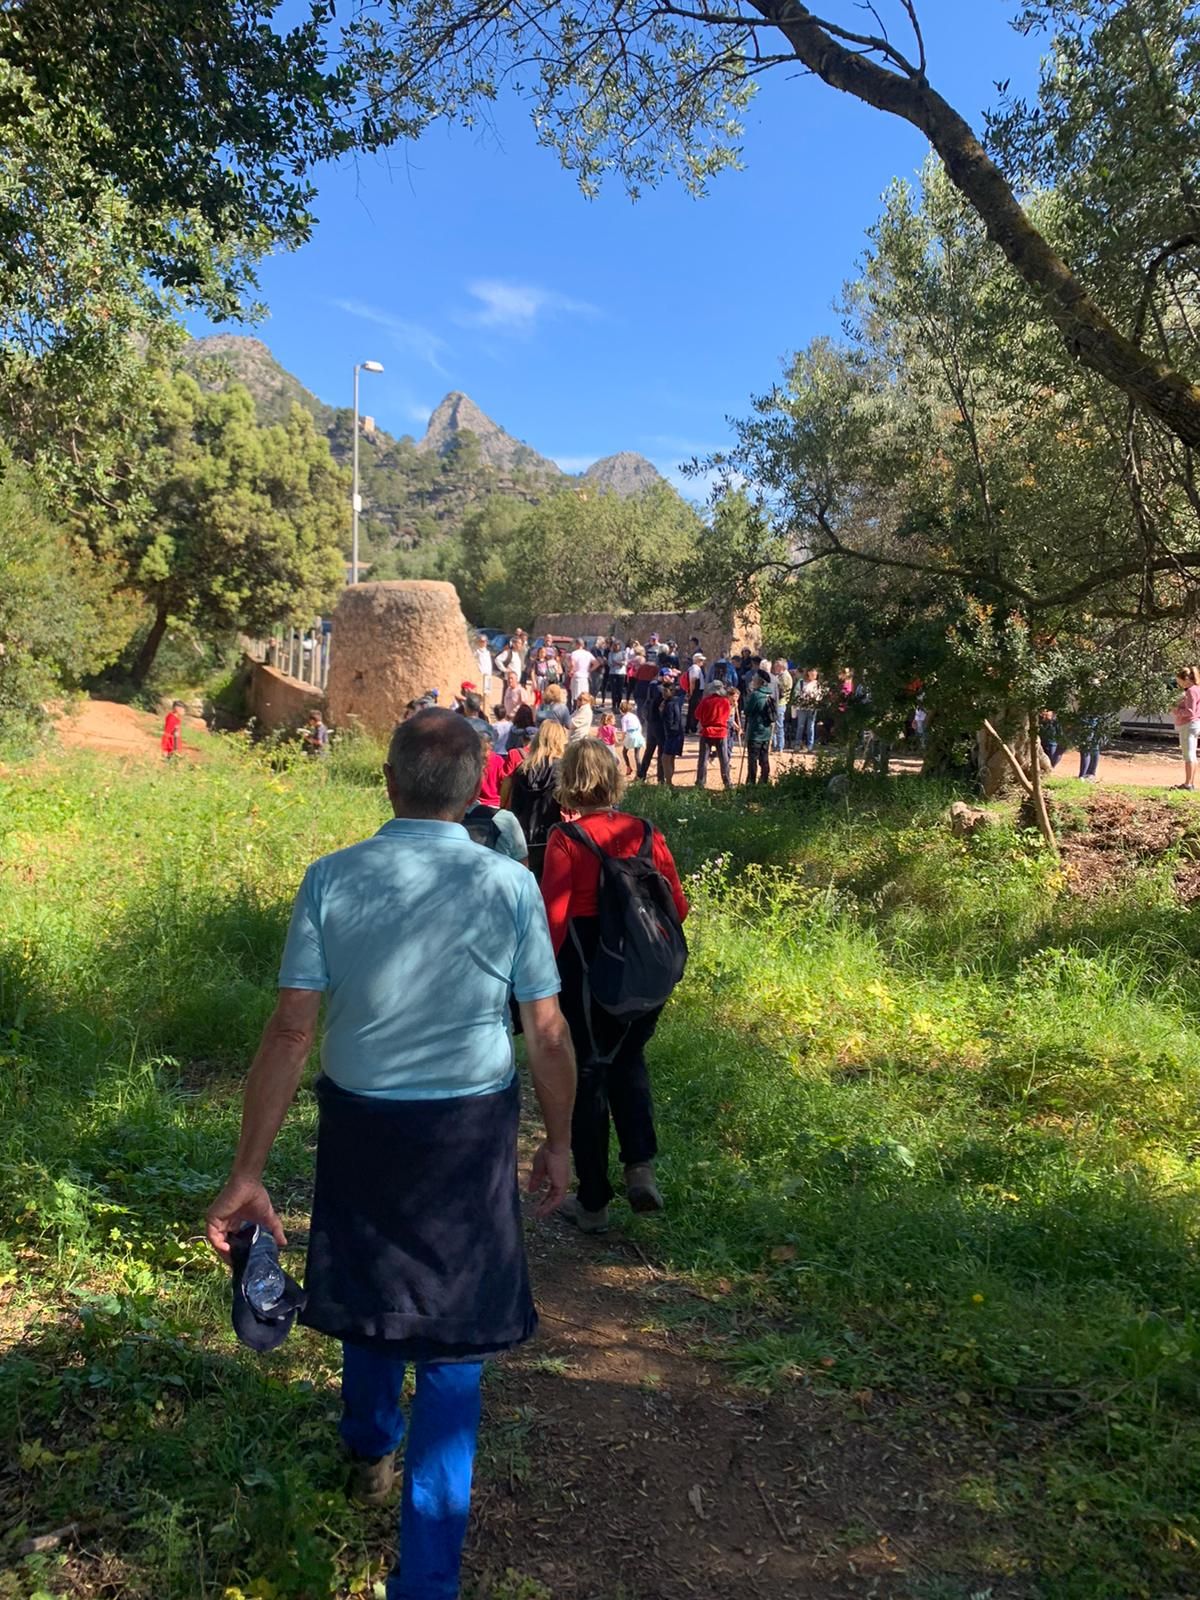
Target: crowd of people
646 700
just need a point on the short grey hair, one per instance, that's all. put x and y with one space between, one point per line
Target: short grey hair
436 761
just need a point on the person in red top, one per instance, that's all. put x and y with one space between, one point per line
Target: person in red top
172 742
712 723
611 1053
495 770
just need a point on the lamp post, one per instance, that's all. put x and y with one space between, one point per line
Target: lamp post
356 502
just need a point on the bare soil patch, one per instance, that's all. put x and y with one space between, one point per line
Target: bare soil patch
1114 836
116 729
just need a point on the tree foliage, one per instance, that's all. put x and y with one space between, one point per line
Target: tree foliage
62 615
643 88
150 155
577 550
948 497
246 524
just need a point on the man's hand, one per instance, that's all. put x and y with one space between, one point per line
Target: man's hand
549 1177
242 1200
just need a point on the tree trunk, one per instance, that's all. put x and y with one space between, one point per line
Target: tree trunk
1090 337
1040 809
145 656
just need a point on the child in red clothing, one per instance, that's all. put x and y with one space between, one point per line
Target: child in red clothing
171 742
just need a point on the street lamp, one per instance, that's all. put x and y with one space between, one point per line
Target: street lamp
356 502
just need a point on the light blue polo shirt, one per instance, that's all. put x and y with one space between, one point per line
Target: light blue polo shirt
419 935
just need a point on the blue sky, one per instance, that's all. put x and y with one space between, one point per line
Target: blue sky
471 261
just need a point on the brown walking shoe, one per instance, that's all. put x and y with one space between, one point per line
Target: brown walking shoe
586 1221
641 1187
371 1480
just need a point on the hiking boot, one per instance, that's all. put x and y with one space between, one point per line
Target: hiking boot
371 1479
586 1221
641 1188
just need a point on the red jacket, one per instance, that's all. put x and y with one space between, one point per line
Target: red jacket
571 874
712 716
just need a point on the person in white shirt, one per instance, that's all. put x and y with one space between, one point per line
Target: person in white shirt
633 740
510 659
483 657
581 718
695 681
582 661
618 663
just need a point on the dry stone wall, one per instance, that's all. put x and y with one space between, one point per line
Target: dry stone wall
391 642
277 701
716 632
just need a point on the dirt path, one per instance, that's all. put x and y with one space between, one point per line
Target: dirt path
116 729
1144 764
621 1464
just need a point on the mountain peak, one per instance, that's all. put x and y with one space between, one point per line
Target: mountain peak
626 473
457 413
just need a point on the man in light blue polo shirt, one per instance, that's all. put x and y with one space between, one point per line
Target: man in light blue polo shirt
417 937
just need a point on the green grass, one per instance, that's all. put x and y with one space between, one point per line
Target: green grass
928 1129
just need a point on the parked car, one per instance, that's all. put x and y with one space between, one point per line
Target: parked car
497 638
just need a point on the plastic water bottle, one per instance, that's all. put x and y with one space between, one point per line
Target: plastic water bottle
263 1279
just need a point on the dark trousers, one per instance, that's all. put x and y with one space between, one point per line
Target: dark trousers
653 747
618 690
760 762
613 1081
719 748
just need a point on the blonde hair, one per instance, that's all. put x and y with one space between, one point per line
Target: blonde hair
585 700
589 778
1192 674
607 720
628 705
554 695
548 745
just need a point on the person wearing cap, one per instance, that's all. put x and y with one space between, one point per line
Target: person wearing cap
695 688
416 1251
674 725
712 721
760 725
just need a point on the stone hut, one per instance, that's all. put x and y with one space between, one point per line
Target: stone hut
391 642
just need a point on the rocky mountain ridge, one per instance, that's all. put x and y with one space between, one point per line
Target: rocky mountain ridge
416 492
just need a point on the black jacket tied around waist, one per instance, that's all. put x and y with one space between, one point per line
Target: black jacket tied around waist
416 1225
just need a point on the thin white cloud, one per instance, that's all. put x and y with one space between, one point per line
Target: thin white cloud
410 338
416 412
518 307
574 464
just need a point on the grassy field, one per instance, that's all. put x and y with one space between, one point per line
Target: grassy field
929 1122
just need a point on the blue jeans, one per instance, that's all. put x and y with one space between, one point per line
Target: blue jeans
1089 760
806 727
438 1459
777 736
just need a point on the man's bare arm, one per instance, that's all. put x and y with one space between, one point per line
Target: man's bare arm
552 1068
271 1086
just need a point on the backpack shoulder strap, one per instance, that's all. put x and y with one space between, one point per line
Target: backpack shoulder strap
582 836
646 848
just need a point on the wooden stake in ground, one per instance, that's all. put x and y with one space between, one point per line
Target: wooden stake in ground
1040 809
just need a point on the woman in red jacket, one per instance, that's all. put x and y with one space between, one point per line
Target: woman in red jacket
609 1053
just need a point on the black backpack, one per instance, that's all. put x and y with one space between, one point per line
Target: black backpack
480 823
534 802
641 952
